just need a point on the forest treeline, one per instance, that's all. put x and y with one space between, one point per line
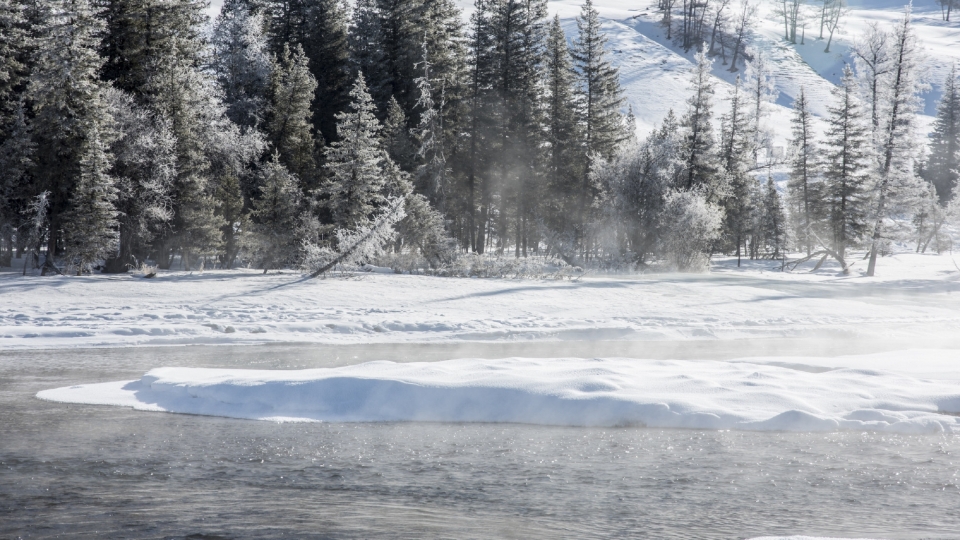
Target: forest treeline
314 133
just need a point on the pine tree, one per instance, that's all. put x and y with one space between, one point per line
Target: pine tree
328 49
144 172
70 112
292 91
563 160
90 226
773 221
276 214
397 139
943 166
14 41
483 67
367 51
360 174
241 61
601 95
16 162
736 153
600 100
897 151
762 90
699 147
803 189
433 173
849 163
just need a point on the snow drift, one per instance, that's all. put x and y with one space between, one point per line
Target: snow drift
571 392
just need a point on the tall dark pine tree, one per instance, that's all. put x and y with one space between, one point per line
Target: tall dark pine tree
847 169
943 166
292 91
367 51
736 153
564 161
600 100
320 27
71 116
480 120
804 169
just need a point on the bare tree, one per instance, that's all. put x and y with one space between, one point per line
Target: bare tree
946 6
838 9
792 13
719 21
871 54
742 24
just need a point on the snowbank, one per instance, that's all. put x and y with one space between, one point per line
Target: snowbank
573 392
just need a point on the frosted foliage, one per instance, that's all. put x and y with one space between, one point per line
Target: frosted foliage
690 225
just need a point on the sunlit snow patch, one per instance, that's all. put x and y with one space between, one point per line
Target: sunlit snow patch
571 392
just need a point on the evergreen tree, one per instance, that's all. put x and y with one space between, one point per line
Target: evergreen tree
736 155
90 226
802 186
397 139
276 214
601 95
773 222
563 161
699 147
943 166
292 91
433 172
71 117
13 49
360 175
483 67
16 162
144 172
762 90
600 102
897 151
847 169
241 61
367 51
328 49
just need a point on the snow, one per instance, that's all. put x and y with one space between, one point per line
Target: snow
568 391
911 299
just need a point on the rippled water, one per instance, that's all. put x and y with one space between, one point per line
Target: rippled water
86 471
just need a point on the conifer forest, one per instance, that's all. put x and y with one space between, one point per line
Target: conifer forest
311 133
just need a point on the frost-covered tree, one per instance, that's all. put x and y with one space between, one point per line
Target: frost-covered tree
433 173
873 61
848 166
943 165
690 225
360 175
897 149
699 152
241 61
90 225
292 91
71 118
144 171
762 91
397 139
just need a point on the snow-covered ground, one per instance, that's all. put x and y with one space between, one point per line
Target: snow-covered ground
574 392
911 298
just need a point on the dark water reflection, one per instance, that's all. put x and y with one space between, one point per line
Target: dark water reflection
101 472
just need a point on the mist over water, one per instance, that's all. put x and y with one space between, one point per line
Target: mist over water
96 472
